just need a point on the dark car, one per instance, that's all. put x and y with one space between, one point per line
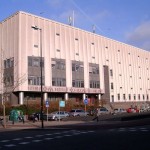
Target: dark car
34 116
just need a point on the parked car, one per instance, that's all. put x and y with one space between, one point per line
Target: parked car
119 111
132 110
56 115
34 116
78 112
101 111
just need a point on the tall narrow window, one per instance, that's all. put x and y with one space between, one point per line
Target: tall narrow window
112 86
111 73
118 96
129 96
124 97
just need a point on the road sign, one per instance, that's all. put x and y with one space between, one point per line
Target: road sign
61 103
86 101
47 103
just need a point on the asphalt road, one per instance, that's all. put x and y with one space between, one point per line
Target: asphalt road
128 138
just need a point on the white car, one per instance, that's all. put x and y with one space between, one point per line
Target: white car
57 115
119 110
78 112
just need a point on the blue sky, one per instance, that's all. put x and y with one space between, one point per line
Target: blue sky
126 21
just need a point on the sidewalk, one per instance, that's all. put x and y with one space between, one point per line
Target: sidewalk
52 124
73 124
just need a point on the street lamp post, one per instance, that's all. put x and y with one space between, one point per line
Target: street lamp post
41 65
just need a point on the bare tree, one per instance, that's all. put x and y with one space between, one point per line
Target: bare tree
9 80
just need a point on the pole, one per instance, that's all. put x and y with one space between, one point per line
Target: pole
41 66
85 110
59 110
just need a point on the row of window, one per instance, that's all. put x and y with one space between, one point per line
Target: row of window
33 80
78 83
77 67
135 97
58 82
94 84
58 65
35 61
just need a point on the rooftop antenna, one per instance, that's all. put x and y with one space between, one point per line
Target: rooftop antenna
93 28
97 27
71 19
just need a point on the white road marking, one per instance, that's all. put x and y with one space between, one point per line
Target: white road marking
71 133
67 135
28 137
17 139
10 145
48 138
39 135
4 141
76 133
48 134
37 140
144 130
23 143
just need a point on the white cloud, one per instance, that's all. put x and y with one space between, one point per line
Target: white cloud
140 37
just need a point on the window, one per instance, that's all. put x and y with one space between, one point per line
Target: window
93 70
112 98
58 82
9 63
35 80
112 86
134 97
36 62
94 84
118 96
36 46
111 72
77 67
124 97
58 64
129 96
143 97
147 97
138 96
77 83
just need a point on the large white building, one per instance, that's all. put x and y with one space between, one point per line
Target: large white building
76 63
